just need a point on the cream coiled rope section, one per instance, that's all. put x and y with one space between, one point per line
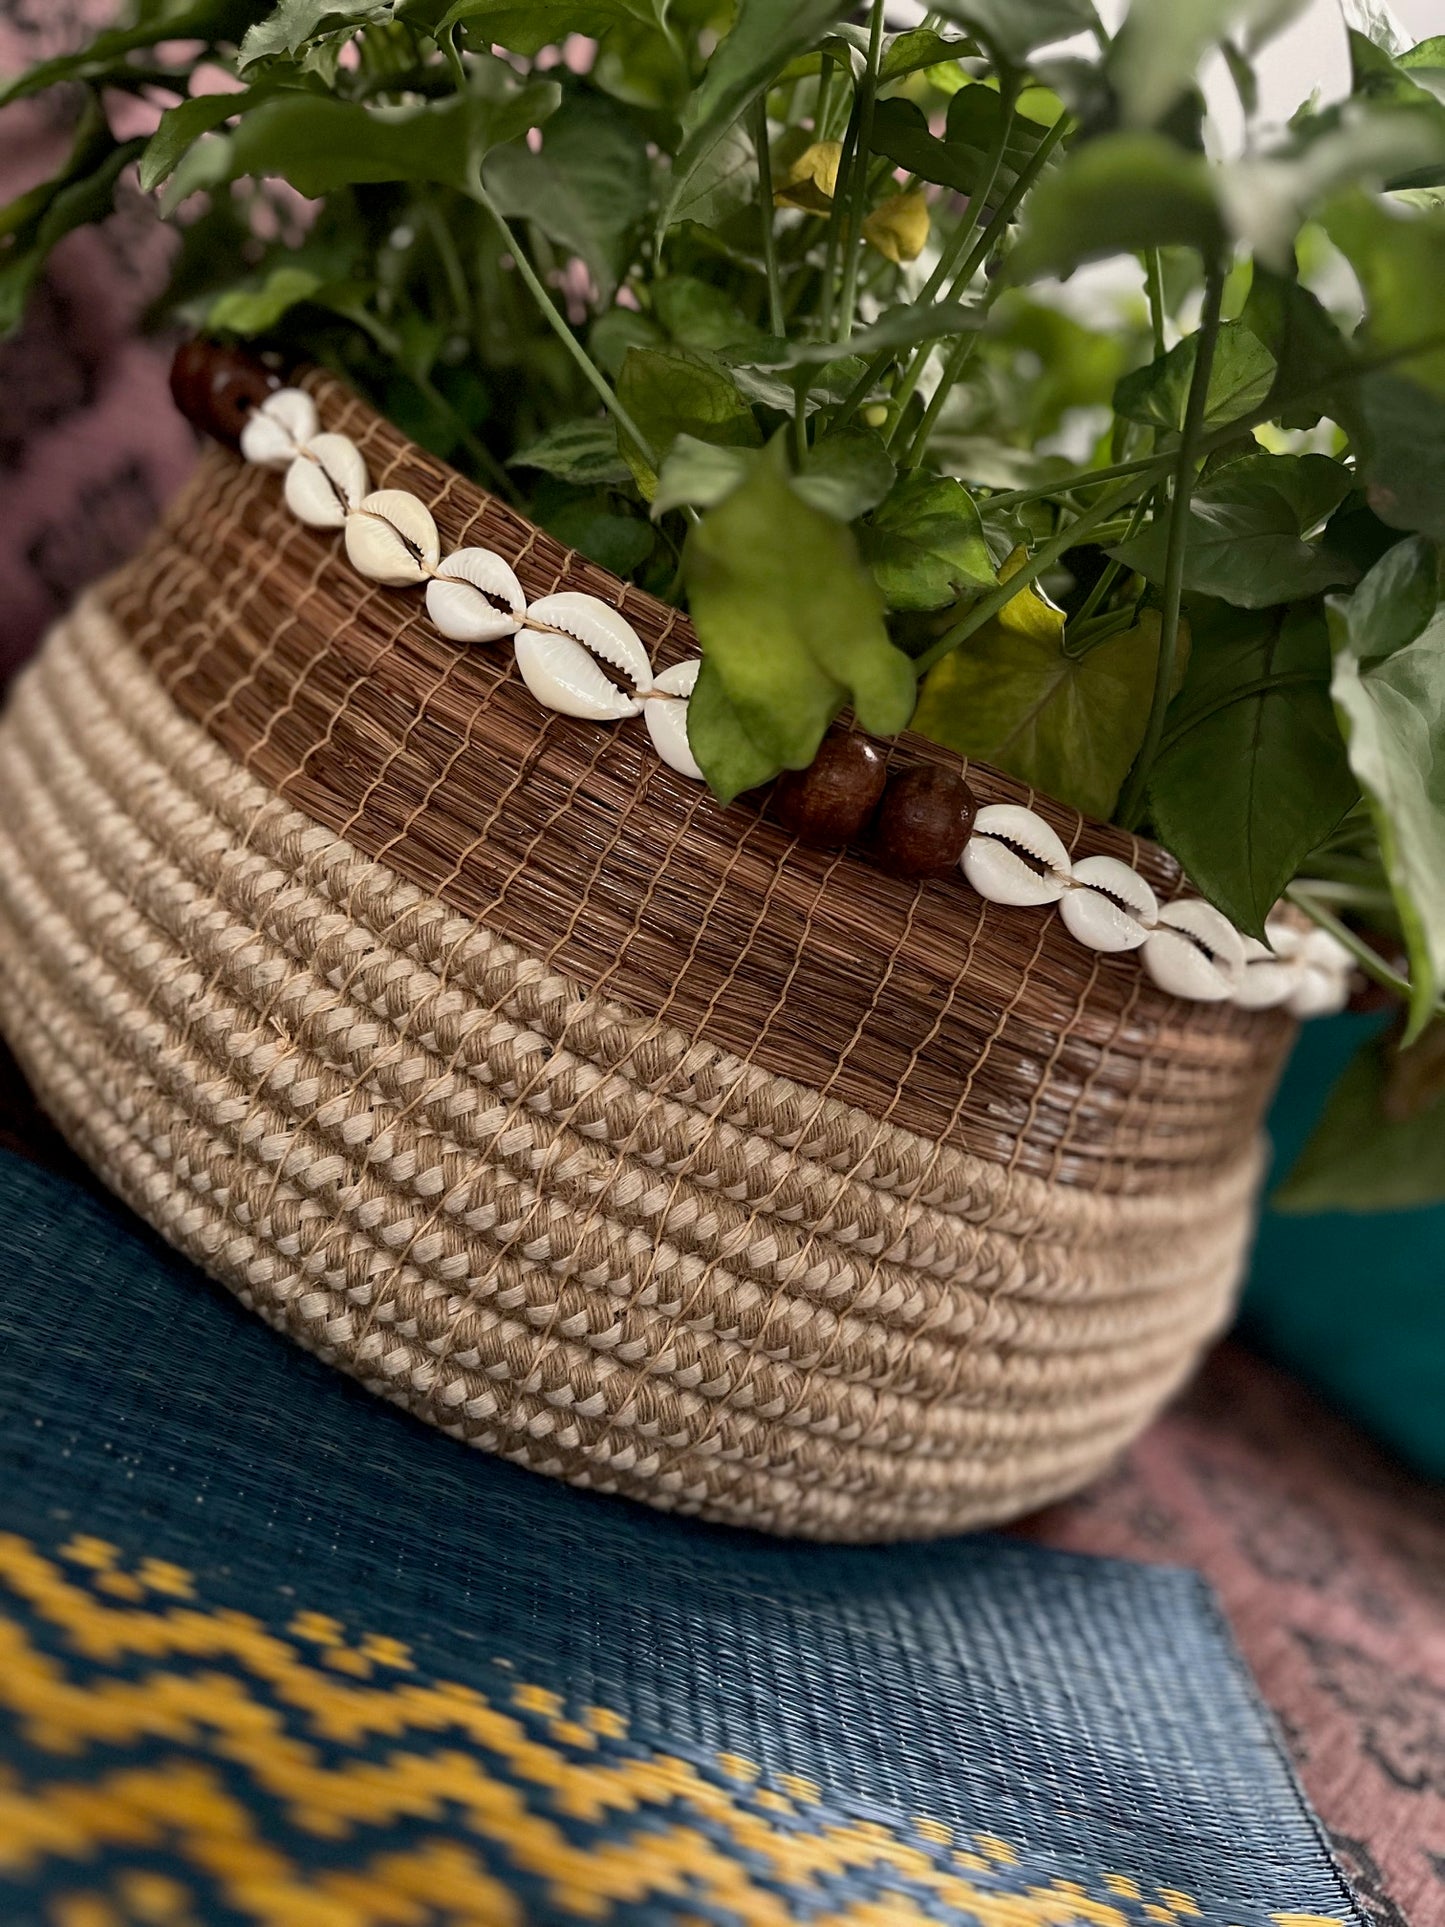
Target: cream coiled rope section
559 1231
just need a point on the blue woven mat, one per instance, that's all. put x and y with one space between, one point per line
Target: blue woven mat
272 1652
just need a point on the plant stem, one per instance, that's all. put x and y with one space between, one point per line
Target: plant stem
1108 576
947 262
558 323
1076 642
1154 283
861 388
1103 535
959 355
858 169
776 321
820 100
1080 638
456 274
1185 460
1043 558
1081 478
448 44
1002 214
835 222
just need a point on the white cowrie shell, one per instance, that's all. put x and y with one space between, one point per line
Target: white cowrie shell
326 481
560 673
1268 980
392 538
993 863
598 627
557 654
1322 965
1284 935
279 429
1116 912
665 713
1319 991
475 597
1195 952
1323 948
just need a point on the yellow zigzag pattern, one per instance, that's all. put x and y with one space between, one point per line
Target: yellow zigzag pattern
187 1718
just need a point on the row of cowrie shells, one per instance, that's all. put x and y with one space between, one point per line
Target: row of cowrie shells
1012 856
1189 948
560 640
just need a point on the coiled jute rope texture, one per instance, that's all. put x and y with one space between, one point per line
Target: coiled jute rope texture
604 1129
599 1246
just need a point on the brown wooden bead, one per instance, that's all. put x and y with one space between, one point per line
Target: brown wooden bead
216 387
833 800
188 365
924 821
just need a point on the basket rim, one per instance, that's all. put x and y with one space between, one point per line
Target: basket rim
679 639
577 843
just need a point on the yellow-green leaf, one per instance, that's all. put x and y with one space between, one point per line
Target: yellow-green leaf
812 180
898 227
791 623
1070 726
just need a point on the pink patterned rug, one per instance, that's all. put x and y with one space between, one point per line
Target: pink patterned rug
1330 1564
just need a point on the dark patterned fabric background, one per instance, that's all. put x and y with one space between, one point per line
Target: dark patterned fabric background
1329 1561
89 443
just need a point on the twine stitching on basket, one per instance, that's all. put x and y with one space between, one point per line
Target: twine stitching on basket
783 1491
1190 949
524 1091
469 1127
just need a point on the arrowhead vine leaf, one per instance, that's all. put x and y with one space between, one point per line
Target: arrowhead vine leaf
1069 725
790 622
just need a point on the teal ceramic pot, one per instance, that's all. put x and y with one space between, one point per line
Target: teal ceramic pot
1352 1302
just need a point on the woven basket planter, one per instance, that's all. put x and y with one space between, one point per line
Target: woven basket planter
604 1129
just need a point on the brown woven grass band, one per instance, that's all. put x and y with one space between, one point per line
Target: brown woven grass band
546 1222
986 1027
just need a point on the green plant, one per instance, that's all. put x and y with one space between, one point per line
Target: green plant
760 305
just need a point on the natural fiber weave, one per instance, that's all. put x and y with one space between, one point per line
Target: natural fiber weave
547 1222
605 1129
984 1027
